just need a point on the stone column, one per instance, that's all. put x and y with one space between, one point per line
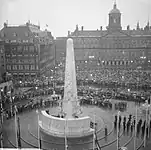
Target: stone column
70 101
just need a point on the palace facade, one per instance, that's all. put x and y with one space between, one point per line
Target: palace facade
110 48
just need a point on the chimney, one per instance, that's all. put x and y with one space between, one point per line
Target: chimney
68 33
128 27
27 24
5 25
137 28
38 25
82 28
101 28
77 27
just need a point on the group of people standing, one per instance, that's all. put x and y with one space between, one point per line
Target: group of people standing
129 123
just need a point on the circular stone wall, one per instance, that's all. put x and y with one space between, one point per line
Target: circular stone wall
55 126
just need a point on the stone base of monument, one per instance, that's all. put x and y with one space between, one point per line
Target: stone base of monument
59 127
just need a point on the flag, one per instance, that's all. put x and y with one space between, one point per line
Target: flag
18 133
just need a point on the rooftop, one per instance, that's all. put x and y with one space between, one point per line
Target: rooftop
114 10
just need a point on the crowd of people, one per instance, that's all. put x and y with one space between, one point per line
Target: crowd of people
136 78
32 104
129 122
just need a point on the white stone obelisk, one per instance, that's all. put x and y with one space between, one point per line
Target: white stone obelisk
70 101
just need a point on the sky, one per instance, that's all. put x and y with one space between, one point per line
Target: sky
64 15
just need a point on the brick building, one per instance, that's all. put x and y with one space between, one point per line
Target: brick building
110 48
28 50
2 59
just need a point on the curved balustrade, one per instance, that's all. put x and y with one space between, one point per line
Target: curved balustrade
73 127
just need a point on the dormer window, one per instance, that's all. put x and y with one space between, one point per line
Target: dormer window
14 34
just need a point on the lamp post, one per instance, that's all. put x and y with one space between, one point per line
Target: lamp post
118 145
135 130
1 114
147 106
149 118
10 98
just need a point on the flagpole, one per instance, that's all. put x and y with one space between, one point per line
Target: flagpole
145 126
94 133
16 126
135 128
118 130
149 120
66 144
1 140
39 146
18 136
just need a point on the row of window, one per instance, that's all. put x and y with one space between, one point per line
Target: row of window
31 61
22 67
110 62
20 55
23 48
109 53
110 43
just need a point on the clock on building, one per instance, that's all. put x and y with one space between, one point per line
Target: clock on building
114 20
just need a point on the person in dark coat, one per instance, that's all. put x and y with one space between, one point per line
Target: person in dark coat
115 118
143 128
105 130
115 124
120 118
138 129
128 126
124 126
130 117
124 119
134 121
140 122
131 127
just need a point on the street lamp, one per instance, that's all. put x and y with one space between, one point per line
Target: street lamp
147 106
1 111
10 98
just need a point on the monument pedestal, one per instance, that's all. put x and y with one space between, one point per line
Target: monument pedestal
71 127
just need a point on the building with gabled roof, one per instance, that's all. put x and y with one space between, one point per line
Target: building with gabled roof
28 50
2 60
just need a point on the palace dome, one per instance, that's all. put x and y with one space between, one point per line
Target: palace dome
114 10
